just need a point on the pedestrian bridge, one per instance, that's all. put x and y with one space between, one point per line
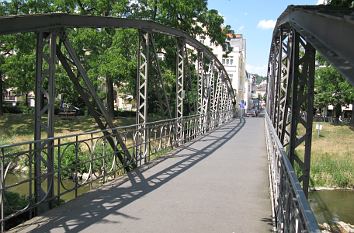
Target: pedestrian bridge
213 171
206 185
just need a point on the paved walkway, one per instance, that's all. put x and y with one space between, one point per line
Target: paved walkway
218 183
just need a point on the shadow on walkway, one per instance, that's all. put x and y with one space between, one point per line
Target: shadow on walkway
94 206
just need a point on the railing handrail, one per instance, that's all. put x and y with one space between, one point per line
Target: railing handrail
304 207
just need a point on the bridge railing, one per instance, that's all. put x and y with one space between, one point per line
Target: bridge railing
85 160
291 209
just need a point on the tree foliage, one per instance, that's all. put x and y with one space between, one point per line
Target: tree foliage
107 54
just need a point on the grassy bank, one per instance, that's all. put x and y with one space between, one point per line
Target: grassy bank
332 162
16 128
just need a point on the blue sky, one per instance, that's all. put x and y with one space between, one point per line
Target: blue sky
254 19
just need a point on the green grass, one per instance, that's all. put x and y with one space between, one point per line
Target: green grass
332 161
16 128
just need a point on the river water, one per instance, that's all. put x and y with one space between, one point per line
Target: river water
23 189
333 205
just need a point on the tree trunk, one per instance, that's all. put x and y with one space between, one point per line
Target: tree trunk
26 99
1 86
110 96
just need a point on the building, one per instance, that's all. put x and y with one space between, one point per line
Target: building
234 62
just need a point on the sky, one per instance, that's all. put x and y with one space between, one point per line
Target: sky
255 19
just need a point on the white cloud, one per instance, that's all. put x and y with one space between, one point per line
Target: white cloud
266 24
254 69
321 2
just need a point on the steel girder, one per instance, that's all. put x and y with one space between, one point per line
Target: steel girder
303 71
142 95
200 81
206 96
283 125
44 105
328 29
216 102
180 92
290 96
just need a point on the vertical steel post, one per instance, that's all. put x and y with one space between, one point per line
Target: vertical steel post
302 106
180 72
211 96
142 98
284 121
216 102
278 85
200 88
44 104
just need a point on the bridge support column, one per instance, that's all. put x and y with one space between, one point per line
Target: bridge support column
303 70
142 98
180 92
285 88
201 76
44 105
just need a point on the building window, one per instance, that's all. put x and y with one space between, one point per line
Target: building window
223 61
231 61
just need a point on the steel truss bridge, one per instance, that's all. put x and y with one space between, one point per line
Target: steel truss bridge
113 151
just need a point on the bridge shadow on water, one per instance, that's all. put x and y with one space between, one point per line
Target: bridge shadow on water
95 206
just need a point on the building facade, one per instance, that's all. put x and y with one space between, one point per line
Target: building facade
234 63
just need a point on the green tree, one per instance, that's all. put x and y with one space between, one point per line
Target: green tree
108 55
342 3
331 88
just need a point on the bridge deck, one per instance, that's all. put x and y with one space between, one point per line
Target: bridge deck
216 184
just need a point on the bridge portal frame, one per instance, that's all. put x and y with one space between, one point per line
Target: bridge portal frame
51 30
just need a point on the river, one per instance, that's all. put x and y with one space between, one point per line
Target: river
333 205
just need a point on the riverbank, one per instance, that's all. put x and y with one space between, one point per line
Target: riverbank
15 128
332 160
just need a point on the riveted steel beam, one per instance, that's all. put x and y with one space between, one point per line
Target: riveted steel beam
303 66
142 95
180 92
44 105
